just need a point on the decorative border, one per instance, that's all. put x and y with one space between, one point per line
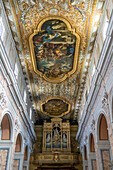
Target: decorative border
56 80
102 156
62 114
7 156
18 164
92 163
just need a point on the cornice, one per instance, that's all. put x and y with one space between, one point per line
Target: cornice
100 72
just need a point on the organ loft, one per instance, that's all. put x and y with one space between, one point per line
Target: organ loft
57 146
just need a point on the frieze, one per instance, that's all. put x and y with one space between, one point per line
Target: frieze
17 124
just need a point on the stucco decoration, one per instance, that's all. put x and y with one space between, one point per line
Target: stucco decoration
17 124
105 99
25 16
2 97
93 125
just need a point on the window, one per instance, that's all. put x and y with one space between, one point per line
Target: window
2 29
16 71
25 95
30 114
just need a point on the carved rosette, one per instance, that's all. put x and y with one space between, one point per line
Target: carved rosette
105 99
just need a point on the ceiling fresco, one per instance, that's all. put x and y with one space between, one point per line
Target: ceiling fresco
55 107
48 52
54 51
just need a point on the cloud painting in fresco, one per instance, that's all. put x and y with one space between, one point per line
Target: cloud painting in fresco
54 49
55 107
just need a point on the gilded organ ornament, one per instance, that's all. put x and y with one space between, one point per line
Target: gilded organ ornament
56 136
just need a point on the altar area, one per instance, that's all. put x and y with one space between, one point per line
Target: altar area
59 146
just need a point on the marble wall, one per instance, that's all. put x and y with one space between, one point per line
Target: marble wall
13 103
99 102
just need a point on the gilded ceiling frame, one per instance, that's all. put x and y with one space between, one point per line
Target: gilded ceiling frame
57 116
72 30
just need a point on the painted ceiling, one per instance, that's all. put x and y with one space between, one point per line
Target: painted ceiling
55 40
55 107
53 51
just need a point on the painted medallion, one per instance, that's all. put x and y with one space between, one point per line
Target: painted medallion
54 50
55 107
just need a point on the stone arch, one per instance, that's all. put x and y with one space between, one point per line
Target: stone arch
85 153
103 128
18 156
11 120
92 154
6 127
103 143
97 131
91 143
26 154
18 147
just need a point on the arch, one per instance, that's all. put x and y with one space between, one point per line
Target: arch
103 128
18 143
92 144
7 112
5 128
65 20
26 153
85 152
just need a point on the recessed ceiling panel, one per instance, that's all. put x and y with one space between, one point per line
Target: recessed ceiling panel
54 52
55 107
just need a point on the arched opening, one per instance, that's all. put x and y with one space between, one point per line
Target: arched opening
18 144
85 152
92 144
26 153
103 129
5 127
104 144
17 163
92 156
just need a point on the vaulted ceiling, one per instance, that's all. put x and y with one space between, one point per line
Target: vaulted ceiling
55 88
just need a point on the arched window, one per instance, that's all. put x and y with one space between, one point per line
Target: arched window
5 126
18 144
26 153
92 145
2 29
103 129
85 152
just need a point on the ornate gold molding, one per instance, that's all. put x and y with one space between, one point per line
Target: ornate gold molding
51 115
69 26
